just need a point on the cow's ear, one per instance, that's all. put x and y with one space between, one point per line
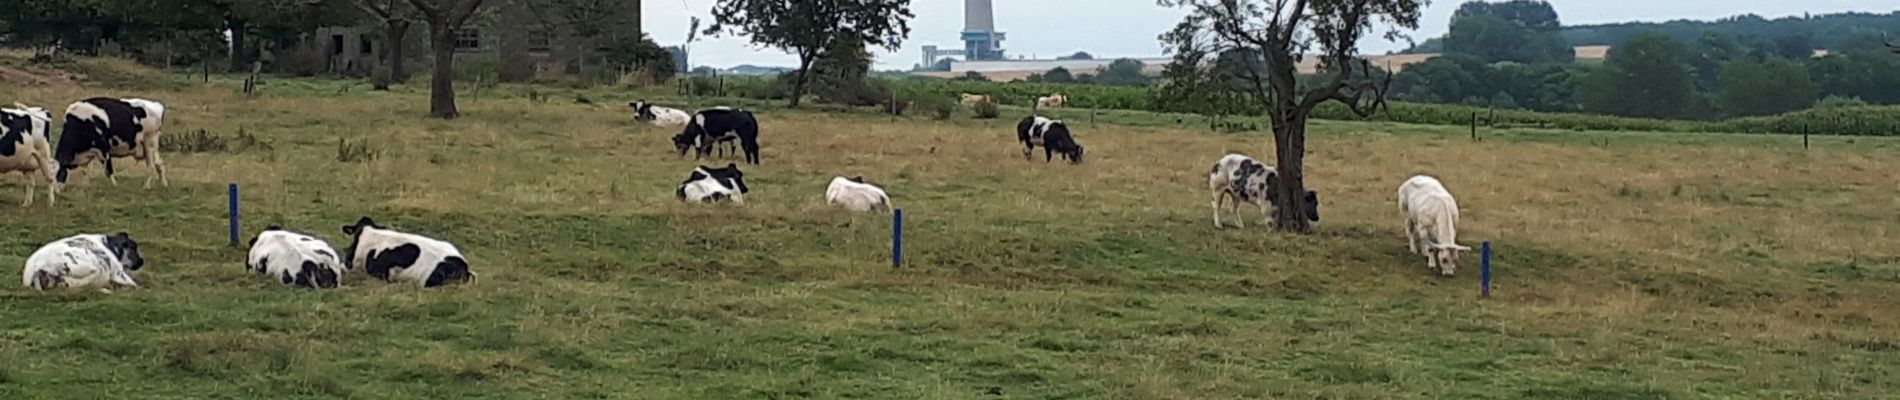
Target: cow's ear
349 230
732 165
123 235
1312 197
273 227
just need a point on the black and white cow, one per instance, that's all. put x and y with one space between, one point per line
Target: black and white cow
712 185
89 261
295 259
1053 135
720 125
103 128
661 116
25 147
402 257
1245 180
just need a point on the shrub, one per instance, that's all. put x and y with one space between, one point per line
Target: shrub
1839 102
987 110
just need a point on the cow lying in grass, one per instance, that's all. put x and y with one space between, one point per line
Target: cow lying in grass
89 261
661 116
712 185
403 257
856 195
295 259
1431 223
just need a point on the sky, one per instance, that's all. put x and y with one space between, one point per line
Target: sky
1128 28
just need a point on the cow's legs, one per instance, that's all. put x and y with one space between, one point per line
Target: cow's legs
1218 196
1266 216
29 188
1048 153
158 165
1239 221
1026 149
1411 235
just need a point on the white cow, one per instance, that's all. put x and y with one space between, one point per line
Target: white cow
25 147
1052 101
855 195
1431 222
661 116
1245 181
89 261
295 259
402 257
712 185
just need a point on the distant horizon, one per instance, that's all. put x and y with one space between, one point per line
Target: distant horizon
1133 35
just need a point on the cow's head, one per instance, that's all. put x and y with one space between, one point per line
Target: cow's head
1446 257
357 228
642 111
737 177
685 140
268 229
1075 154
1312 209
126 249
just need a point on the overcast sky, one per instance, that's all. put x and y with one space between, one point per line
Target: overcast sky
1127 28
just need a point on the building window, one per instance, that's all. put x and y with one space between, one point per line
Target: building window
540 41
367 45
336 44
468 39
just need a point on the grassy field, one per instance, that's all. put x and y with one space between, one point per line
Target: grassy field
1630 265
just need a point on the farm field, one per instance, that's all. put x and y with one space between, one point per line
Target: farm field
1630 265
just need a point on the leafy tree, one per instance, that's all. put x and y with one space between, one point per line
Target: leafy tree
1282 32
1190 85
1708 54
1443 79
1646 77
1058 75
1519 30
808 28
445 17
1765 87
1868 76
396 17
1124 71
1798 47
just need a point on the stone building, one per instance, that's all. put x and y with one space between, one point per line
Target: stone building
517 39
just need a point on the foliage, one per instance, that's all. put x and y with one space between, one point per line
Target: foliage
1646 77
1826 31
1868 76
809 29
1523 31
1080 55
986 109
1839 102
1124 71
644 55
1772 86
1055 75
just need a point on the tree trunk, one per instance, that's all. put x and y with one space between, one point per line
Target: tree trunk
442 85
238 56
798 80
394 35
1289 143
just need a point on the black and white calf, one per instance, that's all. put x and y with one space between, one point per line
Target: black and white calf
1053 135
89 261
720 125
26 148
402 257
1245 180
712 185
106 128
662 116
295 259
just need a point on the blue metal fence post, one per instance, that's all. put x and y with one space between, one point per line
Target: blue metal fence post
234 214
1485 275
897 238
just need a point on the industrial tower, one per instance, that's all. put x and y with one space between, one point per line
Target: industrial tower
981 41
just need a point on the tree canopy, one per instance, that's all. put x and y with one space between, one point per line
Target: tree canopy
808 28
1523 31
1646 77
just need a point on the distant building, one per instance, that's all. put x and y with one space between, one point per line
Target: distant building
515 30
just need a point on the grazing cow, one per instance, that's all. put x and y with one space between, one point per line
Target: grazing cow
106 128
856 195
403 257
26 148
1056 140
974 99
1052 101
720 125
295 259
1031 130
661 116
1431 222
1245 180
712 185
89 261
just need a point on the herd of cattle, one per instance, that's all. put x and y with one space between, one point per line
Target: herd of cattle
102 129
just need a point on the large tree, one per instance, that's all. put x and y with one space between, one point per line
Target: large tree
809 28
1524 31
1765 87
445 17
1283 31
1646 77
396 16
